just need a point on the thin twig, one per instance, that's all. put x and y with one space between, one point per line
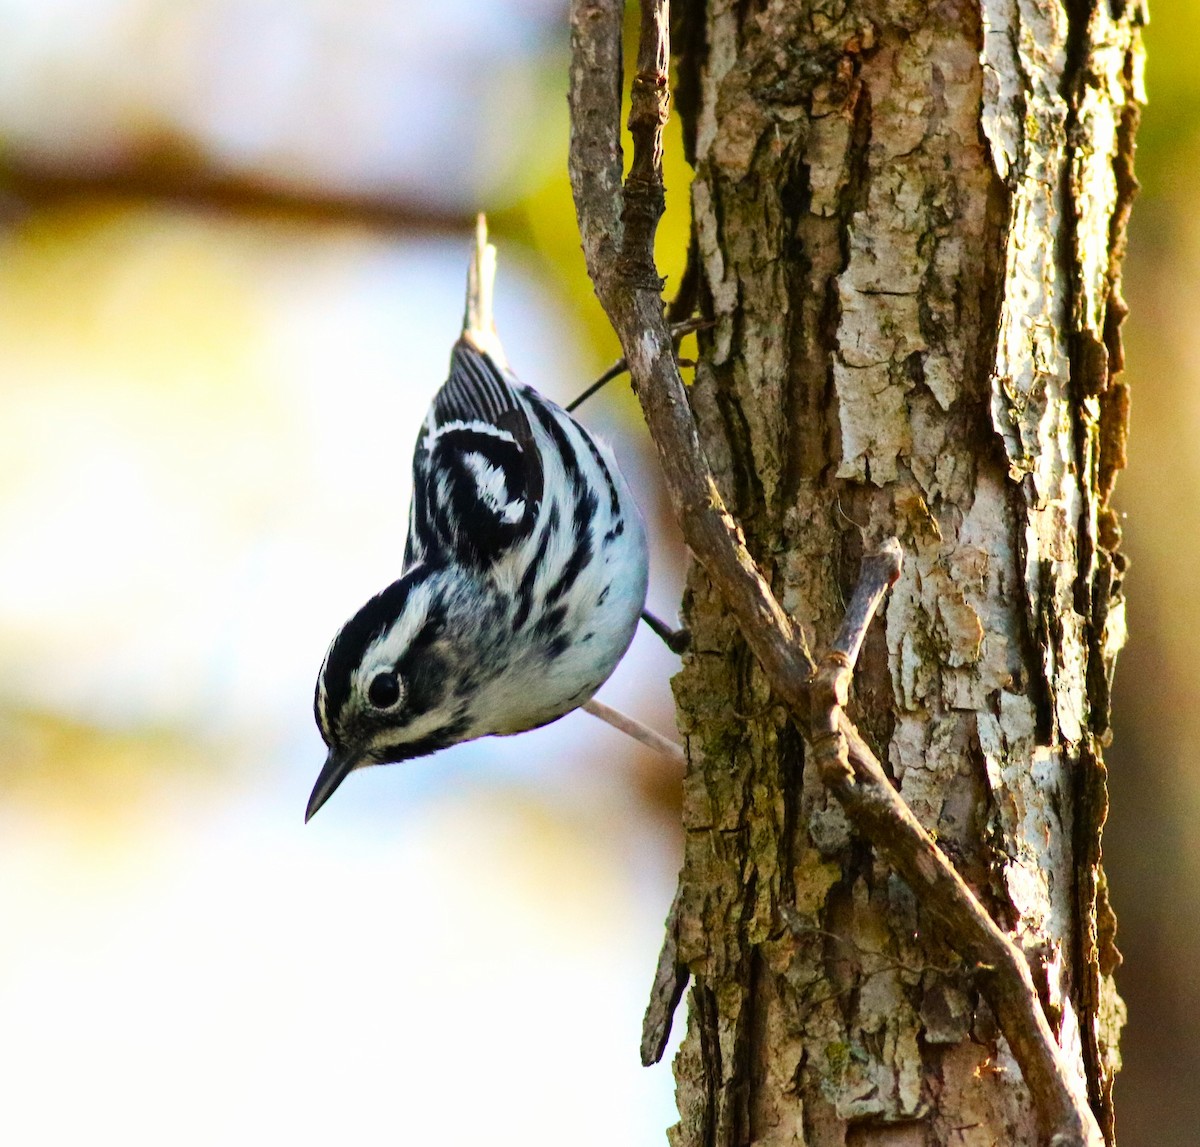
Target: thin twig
632 727
618 233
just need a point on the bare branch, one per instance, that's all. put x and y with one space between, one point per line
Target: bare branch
595 100
636 312
621 263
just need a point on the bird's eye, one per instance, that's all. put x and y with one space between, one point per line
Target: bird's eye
384 690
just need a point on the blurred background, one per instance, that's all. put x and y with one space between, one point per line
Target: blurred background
233 239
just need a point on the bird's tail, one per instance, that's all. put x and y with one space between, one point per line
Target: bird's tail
479 323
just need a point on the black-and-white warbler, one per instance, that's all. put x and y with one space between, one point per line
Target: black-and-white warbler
524 574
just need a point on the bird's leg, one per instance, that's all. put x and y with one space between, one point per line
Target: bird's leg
676 640
618 368
632 727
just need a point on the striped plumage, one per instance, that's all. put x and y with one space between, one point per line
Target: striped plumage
525 574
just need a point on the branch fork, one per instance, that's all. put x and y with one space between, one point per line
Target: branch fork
617 227
831 683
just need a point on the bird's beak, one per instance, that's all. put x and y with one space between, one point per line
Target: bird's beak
336 769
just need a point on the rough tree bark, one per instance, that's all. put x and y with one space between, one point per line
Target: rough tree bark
909 223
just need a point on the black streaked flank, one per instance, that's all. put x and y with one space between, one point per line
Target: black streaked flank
614 499
551 622
570 459
585 506
585 513
529 577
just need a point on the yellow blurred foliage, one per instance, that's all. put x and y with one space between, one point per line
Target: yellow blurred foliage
141 294
98 781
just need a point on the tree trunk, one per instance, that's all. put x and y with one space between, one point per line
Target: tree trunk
909 222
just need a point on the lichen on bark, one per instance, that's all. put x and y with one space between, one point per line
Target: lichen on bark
909 222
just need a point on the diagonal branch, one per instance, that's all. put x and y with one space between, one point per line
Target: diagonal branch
618 240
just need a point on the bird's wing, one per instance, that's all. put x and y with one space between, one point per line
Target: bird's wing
477 473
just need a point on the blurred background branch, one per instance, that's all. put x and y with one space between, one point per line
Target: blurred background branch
192 185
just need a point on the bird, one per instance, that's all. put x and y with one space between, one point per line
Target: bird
524 573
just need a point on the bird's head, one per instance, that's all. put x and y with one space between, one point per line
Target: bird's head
386 691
